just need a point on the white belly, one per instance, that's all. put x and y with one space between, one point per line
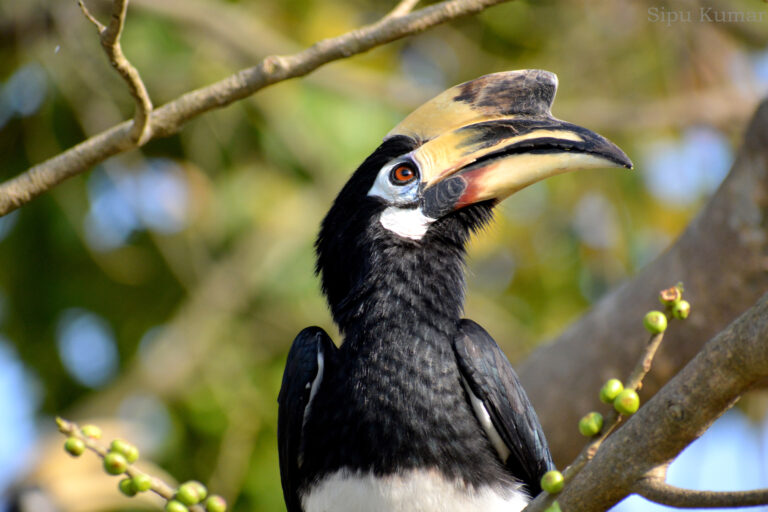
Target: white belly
411 491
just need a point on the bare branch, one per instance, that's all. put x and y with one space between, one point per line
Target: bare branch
110 40
116 23
658 491
99 25
169 118
249 38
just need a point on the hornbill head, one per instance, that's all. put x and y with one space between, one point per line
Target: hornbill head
438 173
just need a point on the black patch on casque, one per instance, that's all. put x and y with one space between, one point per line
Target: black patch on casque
526 93
488 133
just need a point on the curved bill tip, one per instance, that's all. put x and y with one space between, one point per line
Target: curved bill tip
612 153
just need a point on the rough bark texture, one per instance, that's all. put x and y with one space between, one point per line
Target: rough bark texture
722 258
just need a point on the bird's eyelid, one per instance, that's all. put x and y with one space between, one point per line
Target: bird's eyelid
406 159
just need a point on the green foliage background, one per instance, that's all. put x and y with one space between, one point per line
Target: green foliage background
231 289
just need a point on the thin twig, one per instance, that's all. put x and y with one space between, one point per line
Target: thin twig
110 40
613 419
159 487
402 8
643 366
99 25
169 118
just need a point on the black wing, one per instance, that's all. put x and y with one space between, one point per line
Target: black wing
310 353
491 378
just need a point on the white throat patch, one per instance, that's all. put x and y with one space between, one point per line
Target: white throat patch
406 222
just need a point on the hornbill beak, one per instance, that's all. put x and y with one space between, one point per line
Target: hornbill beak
490 137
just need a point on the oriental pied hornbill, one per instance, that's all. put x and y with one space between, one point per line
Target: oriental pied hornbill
418 409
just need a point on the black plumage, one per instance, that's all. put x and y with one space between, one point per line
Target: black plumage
302 367
414 387
391 397
491 378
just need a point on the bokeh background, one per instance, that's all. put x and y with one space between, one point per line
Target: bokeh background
157 295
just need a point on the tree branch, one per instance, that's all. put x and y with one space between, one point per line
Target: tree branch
169 118
99 25
110 40
681 411
658 491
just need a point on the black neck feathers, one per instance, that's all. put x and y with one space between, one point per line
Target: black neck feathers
371 276
391 398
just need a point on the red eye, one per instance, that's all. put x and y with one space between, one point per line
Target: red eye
402 174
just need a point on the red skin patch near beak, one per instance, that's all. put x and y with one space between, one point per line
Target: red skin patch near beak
472 194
